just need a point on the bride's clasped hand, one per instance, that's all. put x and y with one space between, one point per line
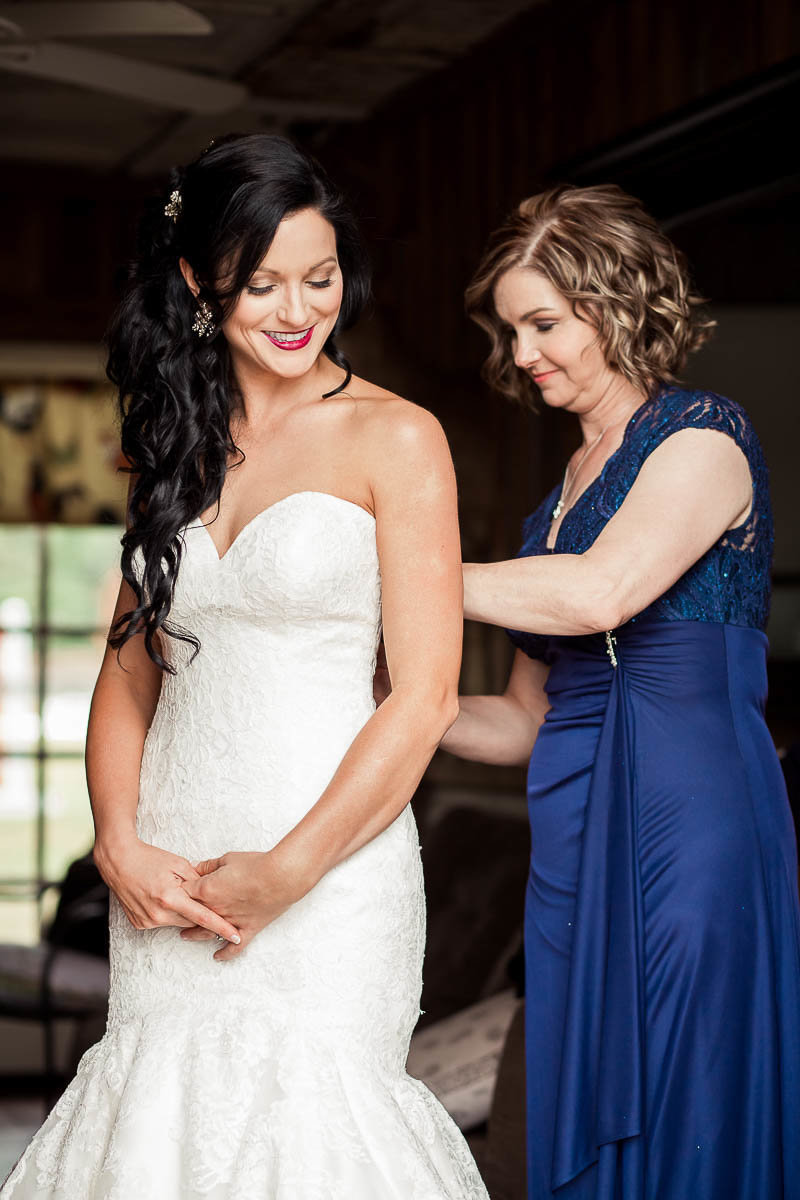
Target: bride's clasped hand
249 889
150 884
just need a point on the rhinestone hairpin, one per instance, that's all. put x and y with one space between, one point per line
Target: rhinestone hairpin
174 205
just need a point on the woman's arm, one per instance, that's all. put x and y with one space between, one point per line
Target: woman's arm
502 729
147 880
418 547
692 488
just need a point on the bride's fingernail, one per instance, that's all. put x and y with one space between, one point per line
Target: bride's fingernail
236 939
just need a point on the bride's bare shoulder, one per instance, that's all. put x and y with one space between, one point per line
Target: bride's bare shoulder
382 413
401 447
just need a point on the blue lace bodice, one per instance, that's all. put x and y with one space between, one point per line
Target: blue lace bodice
730 583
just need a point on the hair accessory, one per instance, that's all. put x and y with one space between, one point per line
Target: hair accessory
203 324
174 205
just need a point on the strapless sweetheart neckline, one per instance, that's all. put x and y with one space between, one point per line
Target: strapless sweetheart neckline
276 504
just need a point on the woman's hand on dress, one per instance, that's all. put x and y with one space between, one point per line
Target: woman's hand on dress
250 888
149 884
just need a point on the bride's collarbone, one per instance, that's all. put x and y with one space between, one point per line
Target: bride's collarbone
333 463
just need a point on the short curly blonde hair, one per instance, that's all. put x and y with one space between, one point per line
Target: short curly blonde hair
603 252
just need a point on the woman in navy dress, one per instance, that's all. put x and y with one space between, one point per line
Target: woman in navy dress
662 932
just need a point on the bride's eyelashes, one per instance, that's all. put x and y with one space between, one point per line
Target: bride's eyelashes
270 287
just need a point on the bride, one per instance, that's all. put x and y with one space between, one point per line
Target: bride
251 806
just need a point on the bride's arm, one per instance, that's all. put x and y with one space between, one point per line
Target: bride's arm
418 548
146 879
415 505
491 729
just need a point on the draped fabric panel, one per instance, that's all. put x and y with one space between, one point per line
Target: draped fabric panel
663 929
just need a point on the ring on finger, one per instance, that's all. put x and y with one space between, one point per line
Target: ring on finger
219 937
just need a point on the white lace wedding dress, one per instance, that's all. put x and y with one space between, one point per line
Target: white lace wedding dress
281 1074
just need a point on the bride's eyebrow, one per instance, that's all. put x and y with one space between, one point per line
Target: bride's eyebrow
268 270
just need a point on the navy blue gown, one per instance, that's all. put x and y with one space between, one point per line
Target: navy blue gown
662 931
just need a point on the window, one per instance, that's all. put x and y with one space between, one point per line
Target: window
58 587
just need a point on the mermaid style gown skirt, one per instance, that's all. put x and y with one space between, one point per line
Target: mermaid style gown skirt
662 930
279 1075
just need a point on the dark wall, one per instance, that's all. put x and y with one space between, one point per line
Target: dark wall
440 167
434 171
437 169
65 237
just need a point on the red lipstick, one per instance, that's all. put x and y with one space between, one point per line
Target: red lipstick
295 343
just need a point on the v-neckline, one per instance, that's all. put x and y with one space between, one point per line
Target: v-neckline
556 492
200 524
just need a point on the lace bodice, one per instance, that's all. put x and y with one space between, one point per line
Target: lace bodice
288 621
730 583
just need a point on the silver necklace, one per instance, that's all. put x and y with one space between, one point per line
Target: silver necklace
569 480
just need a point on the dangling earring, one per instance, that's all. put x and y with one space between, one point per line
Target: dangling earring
203 324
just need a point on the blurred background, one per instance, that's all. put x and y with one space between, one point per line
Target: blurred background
437 117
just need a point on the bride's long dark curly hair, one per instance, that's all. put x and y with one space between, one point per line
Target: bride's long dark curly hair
176 390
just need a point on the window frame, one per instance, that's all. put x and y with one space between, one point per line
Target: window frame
42 632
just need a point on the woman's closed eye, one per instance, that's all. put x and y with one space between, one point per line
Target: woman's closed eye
270 287
540 326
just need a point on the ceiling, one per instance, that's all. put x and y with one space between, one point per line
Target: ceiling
302 62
